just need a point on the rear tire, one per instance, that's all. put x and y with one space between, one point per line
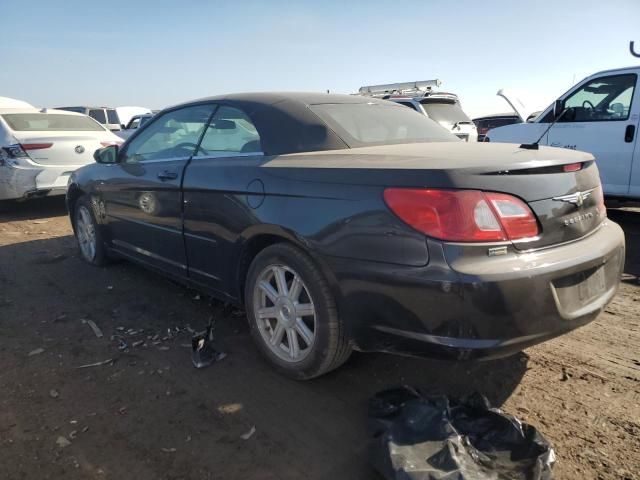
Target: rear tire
87 233
292 314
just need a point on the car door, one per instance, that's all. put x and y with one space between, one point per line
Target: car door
601 117
222 188
142 195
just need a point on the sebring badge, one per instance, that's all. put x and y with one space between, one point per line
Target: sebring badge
577 198
79 149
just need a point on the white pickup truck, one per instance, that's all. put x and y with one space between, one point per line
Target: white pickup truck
599 115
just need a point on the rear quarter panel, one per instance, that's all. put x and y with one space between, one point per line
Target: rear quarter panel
229 201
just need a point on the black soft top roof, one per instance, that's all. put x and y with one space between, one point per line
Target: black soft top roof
305 98
285 122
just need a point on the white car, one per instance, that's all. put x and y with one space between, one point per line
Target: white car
39 149
599 115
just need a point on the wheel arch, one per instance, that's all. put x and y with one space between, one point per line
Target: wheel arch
256 240
74 192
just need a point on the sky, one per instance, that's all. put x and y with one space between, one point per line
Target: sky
159 53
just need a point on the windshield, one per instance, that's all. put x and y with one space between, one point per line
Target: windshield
37 122
362 124
445 112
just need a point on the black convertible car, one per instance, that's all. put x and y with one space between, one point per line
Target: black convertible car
343 222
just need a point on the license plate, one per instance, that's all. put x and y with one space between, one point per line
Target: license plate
592 286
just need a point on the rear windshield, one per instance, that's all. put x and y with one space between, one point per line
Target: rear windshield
362 124
38 122
447 112
98 115
112 117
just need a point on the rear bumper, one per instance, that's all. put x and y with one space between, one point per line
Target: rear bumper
24 179
463 308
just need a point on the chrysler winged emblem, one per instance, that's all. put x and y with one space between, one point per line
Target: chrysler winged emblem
577 198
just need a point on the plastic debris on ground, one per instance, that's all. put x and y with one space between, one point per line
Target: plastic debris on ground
202 352
249 434
62 442
97 364
415 437
96 330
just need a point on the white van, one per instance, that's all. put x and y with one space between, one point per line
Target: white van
599 115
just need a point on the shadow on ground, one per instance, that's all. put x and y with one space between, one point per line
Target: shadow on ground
38 208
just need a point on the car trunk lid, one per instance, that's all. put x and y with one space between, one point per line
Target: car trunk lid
576 209
62 148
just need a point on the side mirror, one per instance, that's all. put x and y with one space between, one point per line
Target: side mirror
122 126
558 108
106 155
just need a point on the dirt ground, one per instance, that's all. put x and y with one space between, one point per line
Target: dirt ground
149 414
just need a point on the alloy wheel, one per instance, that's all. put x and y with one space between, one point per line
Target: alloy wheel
284 312
86 233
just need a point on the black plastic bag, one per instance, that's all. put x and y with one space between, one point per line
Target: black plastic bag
414 437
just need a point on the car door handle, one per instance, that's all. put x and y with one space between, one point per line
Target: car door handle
167 175
629 133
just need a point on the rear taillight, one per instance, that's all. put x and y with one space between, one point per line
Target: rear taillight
599 197
572 167
463 215
35 146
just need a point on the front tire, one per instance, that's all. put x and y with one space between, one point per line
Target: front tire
87 233
292 314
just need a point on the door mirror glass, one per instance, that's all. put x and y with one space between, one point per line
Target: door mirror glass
106 155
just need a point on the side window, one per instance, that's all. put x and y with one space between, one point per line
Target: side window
230 130
98 115
175 134
600 100
134 123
